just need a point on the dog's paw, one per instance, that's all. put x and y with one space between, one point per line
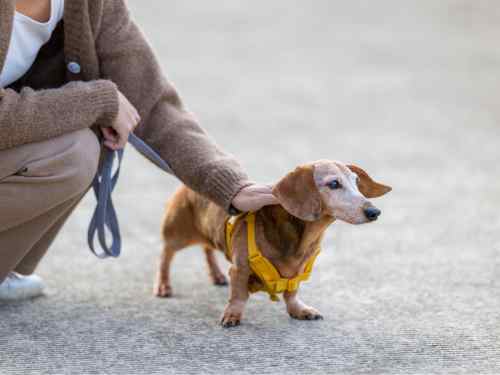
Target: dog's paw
231 318
230 321
219 280
306 313
162 290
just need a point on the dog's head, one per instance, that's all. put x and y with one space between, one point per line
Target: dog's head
331 188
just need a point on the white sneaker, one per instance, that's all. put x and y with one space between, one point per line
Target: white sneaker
18 287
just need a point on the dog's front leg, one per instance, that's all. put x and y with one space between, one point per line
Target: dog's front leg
233 312
239 272
298 309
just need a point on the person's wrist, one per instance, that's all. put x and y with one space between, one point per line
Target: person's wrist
106 101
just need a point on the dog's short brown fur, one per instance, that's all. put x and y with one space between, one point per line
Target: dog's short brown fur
311 198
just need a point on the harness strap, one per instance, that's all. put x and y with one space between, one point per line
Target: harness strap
271 280
264 270
229 228
104 183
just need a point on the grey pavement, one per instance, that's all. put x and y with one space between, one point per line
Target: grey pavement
406 89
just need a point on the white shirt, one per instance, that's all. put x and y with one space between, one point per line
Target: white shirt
27 38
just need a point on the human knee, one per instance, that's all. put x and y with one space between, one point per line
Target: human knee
82 159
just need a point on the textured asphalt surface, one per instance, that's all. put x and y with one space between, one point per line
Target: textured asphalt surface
407 90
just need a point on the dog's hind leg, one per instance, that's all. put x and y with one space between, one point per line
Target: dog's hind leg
216 274
178 232
162 286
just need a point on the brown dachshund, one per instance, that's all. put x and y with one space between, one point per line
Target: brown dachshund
311 198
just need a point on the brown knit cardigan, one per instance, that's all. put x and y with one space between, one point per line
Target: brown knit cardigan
101 38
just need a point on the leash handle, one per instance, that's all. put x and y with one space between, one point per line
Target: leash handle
105 215
104 218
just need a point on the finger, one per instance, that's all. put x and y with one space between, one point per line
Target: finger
266 189
122 142
136 119
260 189
134 123
270 200
267 200
130 122
265 196
136 112
122 138
132 111
137 116
111 145
264 201
109 134
254 205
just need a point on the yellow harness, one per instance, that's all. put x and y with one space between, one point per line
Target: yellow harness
266 276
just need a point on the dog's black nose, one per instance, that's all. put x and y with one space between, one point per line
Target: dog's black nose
372 213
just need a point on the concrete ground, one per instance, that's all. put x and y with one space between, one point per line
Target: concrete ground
407 90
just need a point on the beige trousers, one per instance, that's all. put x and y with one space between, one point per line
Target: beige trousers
40 185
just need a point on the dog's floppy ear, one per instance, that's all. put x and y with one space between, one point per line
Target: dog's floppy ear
367 186
298 194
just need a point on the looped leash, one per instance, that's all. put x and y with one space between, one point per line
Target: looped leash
104 183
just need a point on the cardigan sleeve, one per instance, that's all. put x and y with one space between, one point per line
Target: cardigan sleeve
33 116
126 58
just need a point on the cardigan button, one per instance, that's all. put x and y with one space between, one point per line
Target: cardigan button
74 67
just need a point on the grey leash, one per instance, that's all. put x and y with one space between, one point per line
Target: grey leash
104 183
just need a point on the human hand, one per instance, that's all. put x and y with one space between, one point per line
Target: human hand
116 135
254 197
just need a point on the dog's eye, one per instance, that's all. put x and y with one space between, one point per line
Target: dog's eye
334 185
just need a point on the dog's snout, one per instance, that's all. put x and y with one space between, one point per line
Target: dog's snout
372 213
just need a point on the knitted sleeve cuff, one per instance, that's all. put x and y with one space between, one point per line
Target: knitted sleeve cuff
104 100
225 184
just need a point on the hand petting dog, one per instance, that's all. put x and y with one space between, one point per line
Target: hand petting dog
254 197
